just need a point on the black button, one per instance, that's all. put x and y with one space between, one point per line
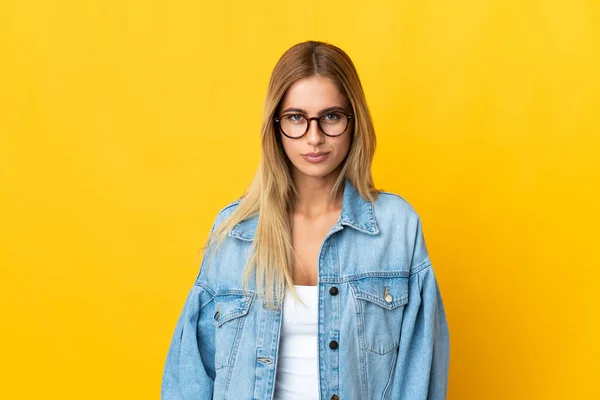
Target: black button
217 314
335 397
333 345
333 291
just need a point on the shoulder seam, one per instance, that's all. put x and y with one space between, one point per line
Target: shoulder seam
204 286
425 264
393 194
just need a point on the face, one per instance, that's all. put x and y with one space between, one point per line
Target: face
315 97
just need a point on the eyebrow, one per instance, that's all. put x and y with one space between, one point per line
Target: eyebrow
323 111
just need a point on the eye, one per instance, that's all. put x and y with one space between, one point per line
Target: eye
332 117
294 118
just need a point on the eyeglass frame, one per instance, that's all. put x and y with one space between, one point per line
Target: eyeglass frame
309 120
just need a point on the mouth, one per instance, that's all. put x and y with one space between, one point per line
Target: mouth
316 157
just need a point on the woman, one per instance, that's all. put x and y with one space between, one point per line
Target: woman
318 286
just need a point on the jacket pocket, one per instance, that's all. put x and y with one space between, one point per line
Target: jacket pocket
380 305
229 306
230 310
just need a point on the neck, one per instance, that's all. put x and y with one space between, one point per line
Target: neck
314 197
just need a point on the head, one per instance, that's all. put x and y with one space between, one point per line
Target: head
316 80
314 126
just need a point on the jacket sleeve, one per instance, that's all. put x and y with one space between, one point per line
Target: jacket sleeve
189 368
421 371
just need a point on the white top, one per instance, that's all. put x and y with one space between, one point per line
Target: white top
297 367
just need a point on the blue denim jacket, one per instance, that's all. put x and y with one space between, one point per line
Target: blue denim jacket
386 315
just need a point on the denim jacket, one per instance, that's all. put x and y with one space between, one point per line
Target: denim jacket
382 331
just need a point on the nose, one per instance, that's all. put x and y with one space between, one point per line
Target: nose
314 136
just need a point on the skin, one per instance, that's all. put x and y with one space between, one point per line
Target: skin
314 213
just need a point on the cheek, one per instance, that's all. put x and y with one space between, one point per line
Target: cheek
289 146
343 146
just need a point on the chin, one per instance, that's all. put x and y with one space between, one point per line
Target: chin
315 171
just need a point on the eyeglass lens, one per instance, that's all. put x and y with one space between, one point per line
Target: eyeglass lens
296 125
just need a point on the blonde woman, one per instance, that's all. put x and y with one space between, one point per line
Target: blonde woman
314 284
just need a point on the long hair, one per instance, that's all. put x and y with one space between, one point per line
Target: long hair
272 193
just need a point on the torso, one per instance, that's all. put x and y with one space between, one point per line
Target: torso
307 236
298 367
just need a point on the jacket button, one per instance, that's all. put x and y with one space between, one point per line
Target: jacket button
335 397
217 314
333 291
333 345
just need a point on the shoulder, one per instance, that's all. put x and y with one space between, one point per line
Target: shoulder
398 218
226 211
392 206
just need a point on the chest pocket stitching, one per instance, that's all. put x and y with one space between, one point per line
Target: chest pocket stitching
231 306
365 289
372 308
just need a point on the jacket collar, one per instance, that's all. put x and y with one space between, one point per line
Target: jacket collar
356 213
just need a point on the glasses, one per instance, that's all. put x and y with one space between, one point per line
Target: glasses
295 125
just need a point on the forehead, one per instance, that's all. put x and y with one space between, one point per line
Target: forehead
313 94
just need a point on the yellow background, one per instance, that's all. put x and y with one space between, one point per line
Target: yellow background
126 125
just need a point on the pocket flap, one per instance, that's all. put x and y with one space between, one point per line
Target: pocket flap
387 292
231 305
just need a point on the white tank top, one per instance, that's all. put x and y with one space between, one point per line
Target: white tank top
297 367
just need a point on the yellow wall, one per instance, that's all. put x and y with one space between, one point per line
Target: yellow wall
126 125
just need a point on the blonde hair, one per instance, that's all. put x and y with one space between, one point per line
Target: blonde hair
272 193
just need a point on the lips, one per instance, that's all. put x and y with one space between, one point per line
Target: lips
316 157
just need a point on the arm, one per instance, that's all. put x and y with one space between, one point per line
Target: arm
189 371
421 370
189 367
